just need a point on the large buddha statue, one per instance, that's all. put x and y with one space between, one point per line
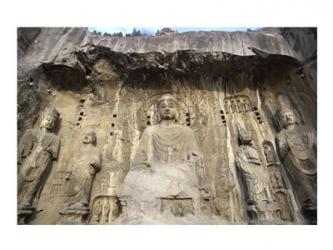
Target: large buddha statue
168 163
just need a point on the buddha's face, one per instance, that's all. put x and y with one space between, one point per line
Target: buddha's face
49 122
89 138
287 118
168 110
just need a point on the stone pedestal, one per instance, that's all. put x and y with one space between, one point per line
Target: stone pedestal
74 216
23 214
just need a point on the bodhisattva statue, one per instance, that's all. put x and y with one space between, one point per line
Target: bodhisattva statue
86 162
37 149
297 149
168 162
260 205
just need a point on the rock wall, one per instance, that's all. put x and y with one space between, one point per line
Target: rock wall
222 81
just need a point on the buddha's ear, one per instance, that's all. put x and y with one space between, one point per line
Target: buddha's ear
177 115
157 116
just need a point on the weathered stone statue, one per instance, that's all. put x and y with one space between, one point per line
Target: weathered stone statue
37 149
106 211
297 148
167 164
261 208
269 152
86 162
98 211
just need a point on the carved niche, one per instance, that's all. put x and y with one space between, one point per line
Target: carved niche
237 104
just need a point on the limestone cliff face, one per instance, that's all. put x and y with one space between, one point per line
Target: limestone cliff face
222 81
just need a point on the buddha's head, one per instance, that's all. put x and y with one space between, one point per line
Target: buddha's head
167 107
50 119
287 117
89 137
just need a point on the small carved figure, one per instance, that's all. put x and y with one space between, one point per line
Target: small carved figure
279 189
233 105
297 148
36 151
86 163
276 179
256 181
106 210
177 209
98 211
227 106
269 152
247 105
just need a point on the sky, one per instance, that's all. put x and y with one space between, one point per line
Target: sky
152 30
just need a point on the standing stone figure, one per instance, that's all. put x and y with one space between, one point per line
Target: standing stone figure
269 152
167 163
297 148
106 210
36 151
273 165
261 207
86 162
98 211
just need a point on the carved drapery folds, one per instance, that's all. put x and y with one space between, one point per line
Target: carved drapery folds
261 207
81 171
297 149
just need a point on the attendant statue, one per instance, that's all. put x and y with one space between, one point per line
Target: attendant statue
260 205
297 149
86 162
36 151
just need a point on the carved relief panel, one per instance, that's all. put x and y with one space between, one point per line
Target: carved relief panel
105 209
